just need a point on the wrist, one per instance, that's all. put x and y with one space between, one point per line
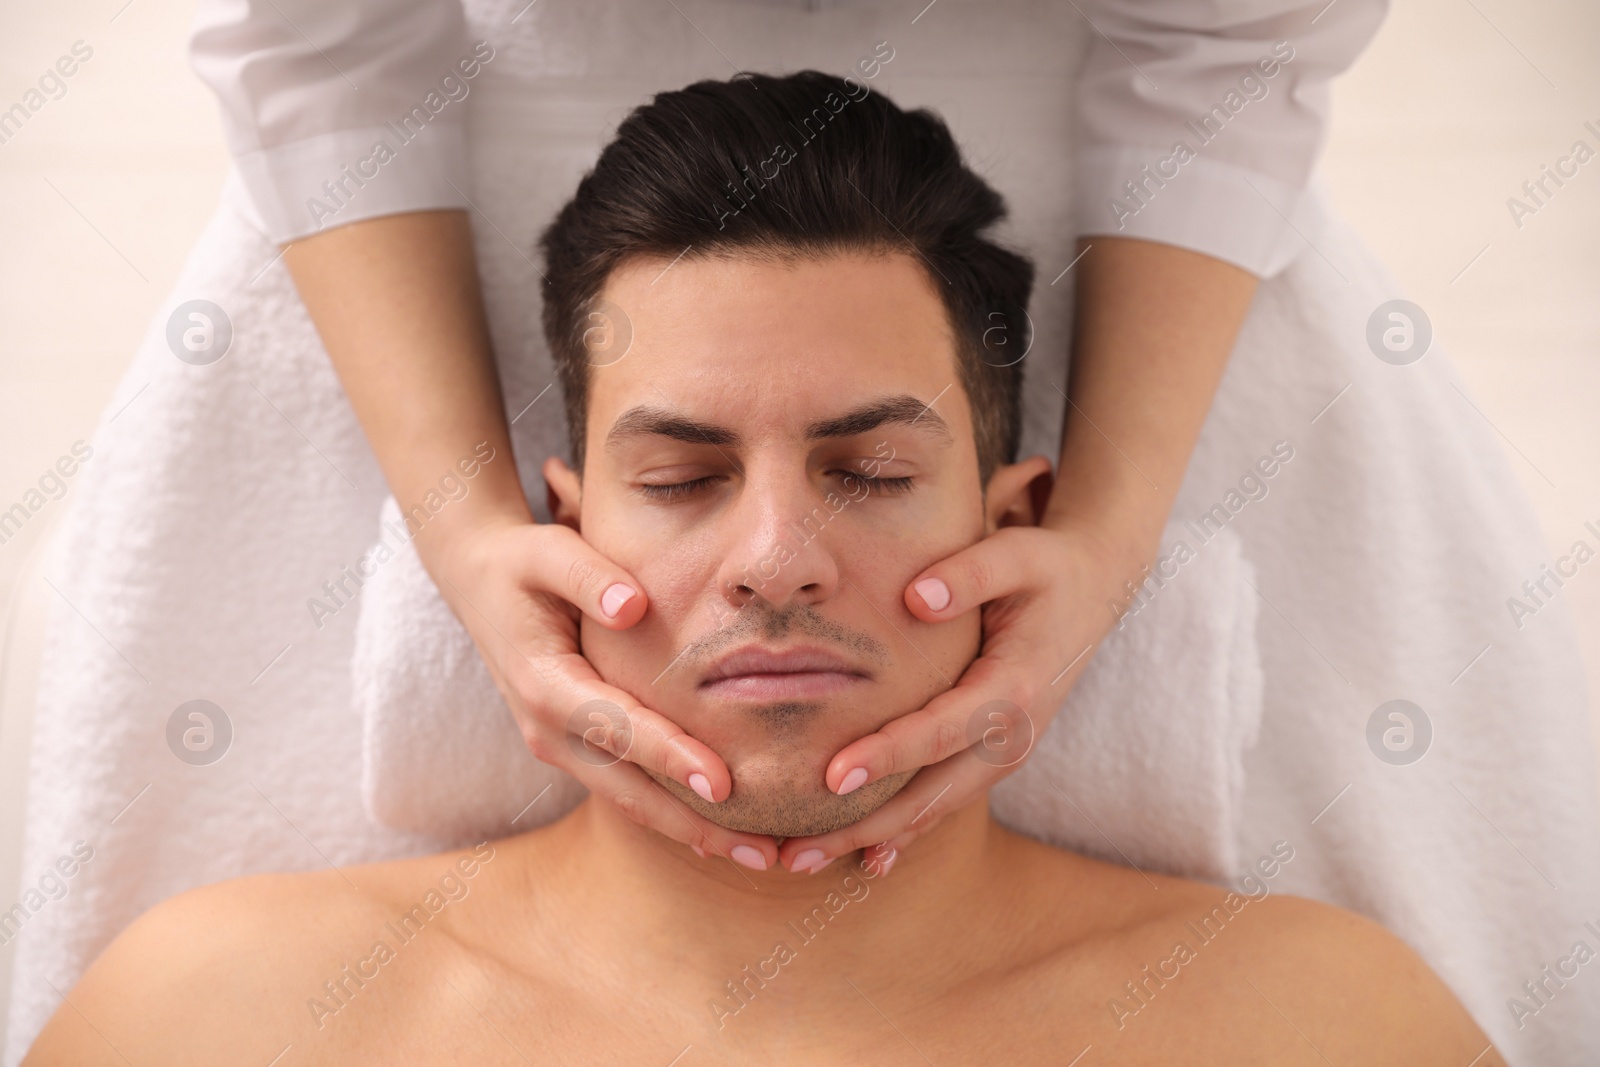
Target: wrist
1120 529
444 526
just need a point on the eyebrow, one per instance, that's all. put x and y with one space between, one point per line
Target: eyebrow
903 410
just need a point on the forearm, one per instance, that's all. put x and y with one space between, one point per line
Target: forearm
397 303
1154 325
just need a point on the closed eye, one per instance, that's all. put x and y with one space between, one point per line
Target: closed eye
887 486
676 491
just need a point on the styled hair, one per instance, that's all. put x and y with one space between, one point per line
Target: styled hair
804 165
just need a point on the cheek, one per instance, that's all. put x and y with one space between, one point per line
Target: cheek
679 577
929 656
951 646
884 548
679 571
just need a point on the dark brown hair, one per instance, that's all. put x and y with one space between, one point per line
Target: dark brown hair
809 164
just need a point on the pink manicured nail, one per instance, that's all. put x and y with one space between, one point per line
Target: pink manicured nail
853 781
807 859
612 599
815 867
699 784
934 593
887 863
698 851
749 857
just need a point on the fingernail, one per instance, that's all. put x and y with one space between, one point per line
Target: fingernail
820 866
698 851
699 784
853 781
612 599
934 593
807 859
749 857
886 864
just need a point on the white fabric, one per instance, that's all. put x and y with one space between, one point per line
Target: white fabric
1144 764
307 88
223 497
440 756
1260 69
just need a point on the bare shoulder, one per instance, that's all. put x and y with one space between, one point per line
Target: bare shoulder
1353 989
238 970
173 986
1179 970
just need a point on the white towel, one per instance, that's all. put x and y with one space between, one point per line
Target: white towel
439 746
218 500
1144 763
1141 765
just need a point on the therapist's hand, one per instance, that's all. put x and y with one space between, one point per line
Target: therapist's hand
1153 328
519 587
1046 597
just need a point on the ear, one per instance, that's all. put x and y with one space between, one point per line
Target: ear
1016 494
563 491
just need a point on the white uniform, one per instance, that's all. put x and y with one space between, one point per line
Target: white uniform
307 88
226 495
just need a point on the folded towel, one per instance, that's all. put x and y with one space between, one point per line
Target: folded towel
1144 763
439 746
1141 765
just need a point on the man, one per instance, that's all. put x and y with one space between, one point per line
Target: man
804 414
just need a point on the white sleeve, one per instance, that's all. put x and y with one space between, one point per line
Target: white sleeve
339 110
1200 121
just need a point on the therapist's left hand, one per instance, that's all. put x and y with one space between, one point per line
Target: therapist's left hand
1047 596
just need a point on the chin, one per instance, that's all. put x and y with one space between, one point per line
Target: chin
777 805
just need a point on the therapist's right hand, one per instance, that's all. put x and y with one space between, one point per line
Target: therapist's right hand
518 587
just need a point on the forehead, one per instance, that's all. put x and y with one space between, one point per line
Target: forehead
776 346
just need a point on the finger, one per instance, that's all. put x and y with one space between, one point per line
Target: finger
989 706
562 563
576 713
644 801
611 736
931 795
999 565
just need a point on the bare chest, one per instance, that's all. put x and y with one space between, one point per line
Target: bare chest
461 1010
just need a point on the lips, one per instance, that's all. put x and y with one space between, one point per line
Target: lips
756 673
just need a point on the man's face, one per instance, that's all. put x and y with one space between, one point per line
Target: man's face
782 448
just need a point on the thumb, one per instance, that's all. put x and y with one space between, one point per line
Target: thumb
563 564
994 567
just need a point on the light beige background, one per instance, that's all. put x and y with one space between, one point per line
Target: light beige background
1456 104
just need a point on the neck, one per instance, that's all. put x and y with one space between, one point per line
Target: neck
649 899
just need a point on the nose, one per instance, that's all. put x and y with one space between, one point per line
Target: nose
778 540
